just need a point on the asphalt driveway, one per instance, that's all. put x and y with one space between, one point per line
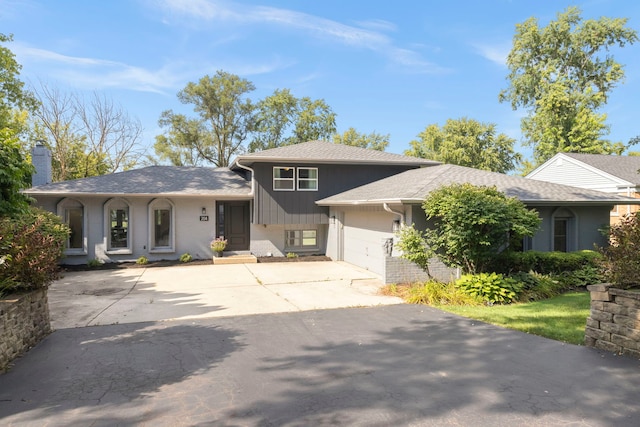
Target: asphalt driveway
396 365
106 297
200 359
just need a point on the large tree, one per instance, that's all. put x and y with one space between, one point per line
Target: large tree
86 138
562 75
373 140
15 104
466 142
226 118
283 119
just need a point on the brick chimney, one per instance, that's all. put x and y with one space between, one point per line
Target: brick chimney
41 159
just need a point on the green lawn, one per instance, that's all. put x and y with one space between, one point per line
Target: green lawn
562 318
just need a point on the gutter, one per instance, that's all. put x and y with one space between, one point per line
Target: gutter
253 177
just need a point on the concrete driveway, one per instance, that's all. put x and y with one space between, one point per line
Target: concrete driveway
109 297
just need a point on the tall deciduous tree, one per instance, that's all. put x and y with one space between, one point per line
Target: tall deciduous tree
562 74
226 118
283 119
86 138
373 141
466 142
15 104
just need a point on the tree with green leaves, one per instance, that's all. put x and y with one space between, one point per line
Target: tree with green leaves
283 119
562 75
15 105
466 142
470 225
226 118
373 140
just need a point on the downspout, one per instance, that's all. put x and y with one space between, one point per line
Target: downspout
253 177
253 187
400 214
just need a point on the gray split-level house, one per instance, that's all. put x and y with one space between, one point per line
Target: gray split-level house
310 198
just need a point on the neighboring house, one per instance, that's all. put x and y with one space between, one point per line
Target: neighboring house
610 174
309 198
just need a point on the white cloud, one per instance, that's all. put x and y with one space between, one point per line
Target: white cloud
495 53
98 73
93 73
368 36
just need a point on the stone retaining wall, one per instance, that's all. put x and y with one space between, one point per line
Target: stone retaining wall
614 322
24 321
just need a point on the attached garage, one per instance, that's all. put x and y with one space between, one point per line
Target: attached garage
364 233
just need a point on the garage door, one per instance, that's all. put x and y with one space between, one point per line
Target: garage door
363 238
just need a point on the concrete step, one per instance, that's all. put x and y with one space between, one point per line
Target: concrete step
235 259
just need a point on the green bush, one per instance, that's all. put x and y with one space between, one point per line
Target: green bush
537 286
621 261
186 257
30 248
292 255
94 263
437 293
490 287
510 262
143 260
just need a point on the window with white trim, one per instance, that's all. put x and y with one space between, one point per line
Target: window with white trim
162 226
301 239
308 179
118 226
283 178
72 213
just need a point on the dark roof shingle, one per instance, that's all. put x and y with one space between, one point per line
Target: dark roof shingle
415 185
328 152
167 180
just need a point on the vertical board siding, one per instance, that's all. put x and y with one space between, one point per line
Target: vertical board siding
299 207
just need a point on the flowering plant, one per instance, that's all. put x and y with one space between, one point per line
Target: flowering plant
218 244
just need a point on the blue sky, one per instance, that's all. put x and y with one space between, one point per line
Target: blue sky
383 66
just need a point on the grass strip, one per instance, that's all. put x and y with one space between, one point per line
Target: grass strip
561 318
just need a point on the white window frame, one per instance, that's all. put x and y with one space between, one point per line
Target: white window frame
161 204
292 179
307 179
118 203
301 246
63 208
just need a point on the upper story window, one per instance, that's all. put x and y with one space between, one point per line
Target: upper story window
72 213
118 226
291 179
283 179
308 179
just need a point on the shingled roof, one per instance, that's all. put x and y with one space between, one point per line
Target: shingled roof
154 180
328 152
623 167
414 186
